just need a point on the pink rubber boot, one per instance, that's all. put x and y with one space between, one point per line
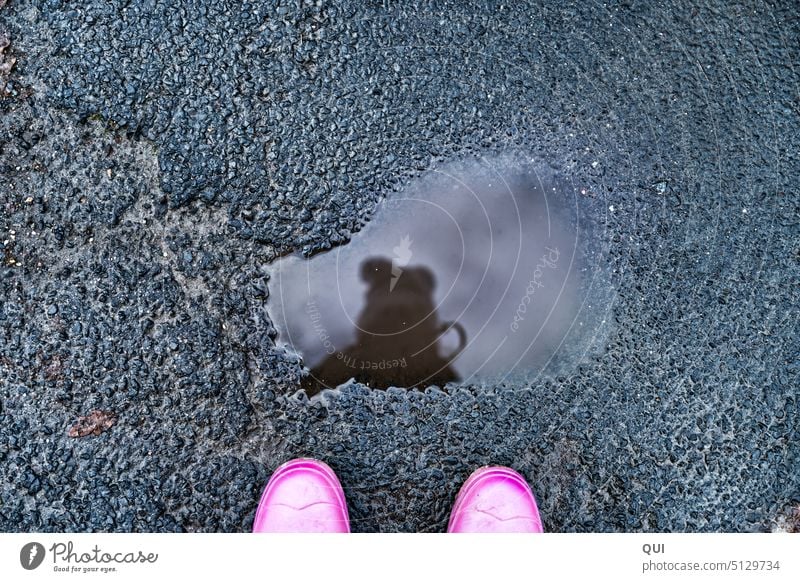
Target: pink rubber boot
302 496
495 500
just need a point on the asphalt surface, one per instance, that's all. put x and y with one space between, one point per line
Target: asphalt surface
158 156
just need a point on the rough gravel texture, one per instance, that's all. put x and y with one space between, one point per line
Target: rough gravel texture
157 155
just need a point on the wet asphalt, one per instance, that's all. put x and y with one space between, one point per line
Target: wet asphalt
157 157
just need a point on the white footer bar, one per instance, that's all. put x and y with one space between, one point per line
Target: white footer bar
380 557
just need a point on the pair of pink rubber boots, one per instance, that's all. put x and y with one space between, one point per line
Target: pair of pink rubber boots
304 495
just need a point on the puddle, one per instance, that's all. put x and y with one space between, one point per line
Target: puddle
486 270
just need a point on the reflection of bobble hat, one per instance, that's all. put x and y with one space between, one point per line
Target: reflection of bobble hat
378 270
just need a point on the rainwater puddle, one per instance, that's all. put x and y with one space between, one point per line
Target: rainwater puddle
482 271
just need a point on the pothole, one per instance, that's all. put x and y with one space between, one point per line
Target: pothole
483 271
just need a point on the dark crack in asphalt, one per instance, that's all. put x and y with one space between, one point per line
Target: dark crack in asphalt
157 157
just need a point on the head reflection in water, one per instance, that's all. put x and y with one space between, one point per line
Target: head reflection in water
398 333
481 271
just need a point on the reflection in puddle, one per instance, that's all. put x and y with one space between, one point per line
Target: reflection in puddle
476 272
397 333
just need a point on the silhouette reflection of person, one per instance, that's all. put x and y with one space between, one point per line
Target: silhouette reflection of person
397 340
